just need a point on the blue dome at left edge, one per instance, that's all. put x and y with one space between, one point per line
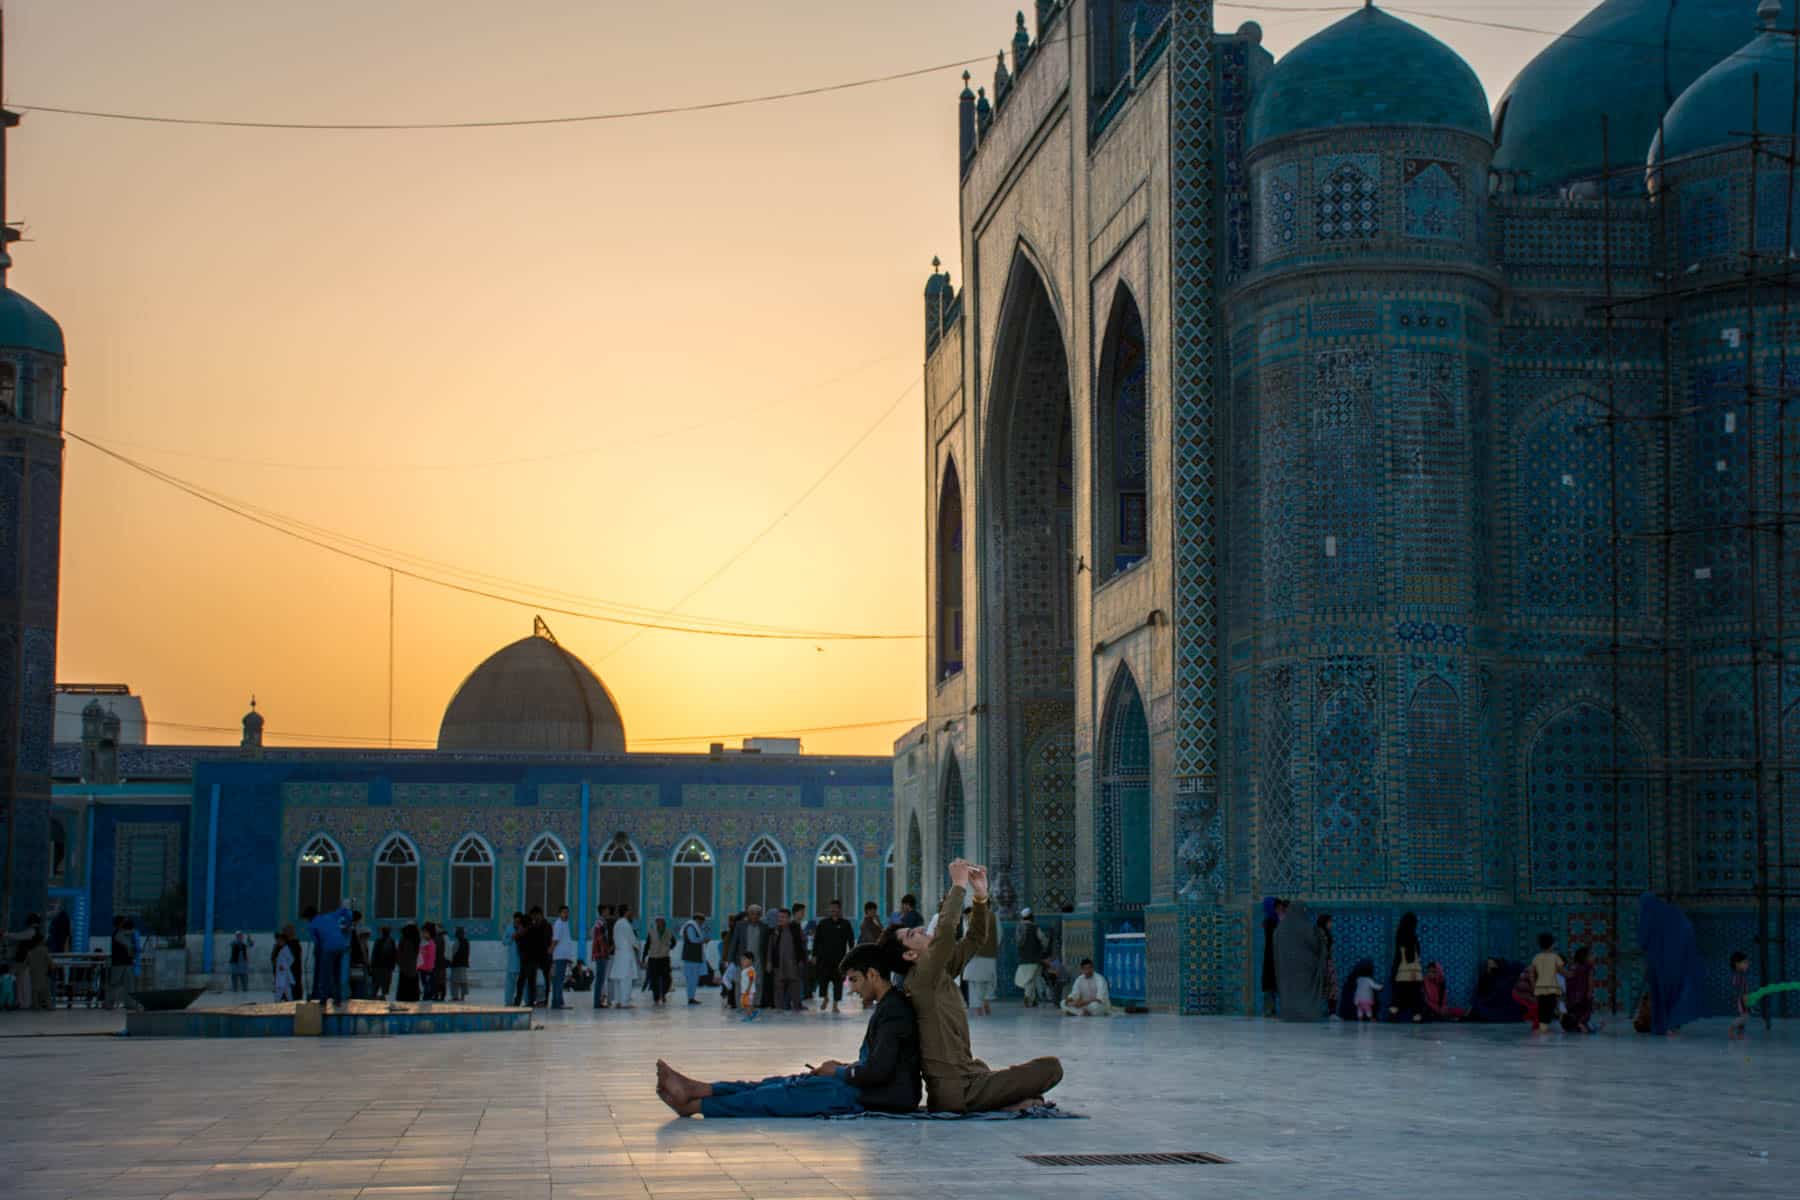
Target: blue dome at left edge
1368 69
25 326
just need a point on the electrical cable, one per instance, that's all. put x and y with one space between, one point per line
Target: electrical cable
513 123
522 460
248 514
812 487
770 97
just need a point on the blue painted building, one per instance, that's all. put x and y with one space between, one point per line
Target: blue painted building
530 800
1339 490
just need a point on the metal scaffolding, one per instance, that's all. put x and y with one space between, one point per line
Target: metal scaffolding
1763 283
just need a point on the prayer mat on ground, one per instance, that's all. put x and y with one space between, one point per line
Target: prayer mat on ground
1042 1112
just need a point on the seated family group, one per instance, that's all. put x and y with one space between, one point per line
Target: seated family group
918 1028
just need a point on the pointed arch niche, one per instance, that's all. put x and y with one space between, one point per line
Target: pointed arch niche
1124 835
950 574
1122 442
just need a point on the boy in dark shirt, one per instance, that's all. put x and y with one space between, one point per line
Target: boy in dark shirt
885 1077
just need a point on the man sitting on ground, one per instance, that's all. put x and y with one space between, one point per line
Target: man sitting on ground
1088 995
955 1080
885 1076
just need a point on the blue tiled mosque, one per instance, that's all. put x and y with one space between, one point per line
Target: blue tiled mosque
529 799
1340 489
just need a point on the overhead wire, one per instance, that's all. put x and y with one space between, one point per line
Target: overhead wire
520 460
247 513
766 530
506 123
791 94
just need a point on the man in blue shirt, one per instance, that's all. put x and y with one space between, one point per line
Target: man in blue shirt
884 1078
331 941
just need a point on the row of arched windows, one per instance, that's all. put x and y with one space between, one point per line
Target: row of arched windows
394 887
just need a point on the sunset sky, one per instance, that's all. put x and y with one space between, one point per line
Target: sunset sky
596 359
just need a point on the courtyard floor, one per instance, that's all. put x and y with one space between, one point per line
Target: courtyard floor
570 1111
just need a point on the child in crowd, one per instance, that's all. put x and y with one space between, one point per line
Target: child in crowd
1546 982
1740 994
746 985
1578 993
1437 995
287 959
1366 987
1524 994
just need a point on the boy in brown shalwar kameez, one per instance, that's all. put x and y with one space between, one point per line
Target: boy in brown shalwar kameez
955 1080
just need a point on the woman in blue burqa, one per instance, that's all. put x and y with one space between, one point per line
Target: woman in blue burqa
1300 965
1671 963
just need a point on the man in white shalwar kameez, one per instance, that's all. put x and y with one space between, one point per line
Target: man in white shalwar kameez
622 969
1087 995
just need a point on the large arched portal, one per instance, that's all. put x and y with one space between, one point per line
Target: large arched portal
1029 575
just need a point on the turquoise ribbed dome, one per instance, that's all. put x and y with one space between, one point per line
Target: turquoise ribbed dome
25 326
1368 69
1716 110
1628 60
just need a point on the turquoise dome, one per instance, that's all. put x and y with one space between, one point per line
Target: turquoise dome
1716 110
25 326
1368 69
1628 60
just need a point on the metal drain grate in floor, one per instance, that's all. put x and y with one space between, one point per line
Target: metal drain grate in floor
1188 1158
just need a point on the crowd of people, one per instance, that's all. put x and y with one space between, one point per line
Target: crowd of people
1300 980
29 983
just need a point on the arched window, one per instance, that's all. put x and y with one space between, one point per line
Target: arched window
951 815
1125 837
1123 434
620 871
546 876
765 875
396 881
834 876
693 880
889 901
950 574
321 875
472 881
915 859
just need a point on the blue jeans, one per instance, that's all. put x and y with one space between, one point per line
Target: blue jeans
783 1096
329 970
600 980
557 971
691 973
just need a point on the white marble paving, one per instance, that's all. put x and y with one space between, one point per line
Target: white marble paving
569 1111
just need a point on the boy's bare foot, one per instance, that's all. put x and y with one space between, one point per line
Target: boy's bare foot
1021 1106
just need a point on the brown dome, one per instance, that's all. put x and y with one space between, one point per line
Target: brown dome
533 696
